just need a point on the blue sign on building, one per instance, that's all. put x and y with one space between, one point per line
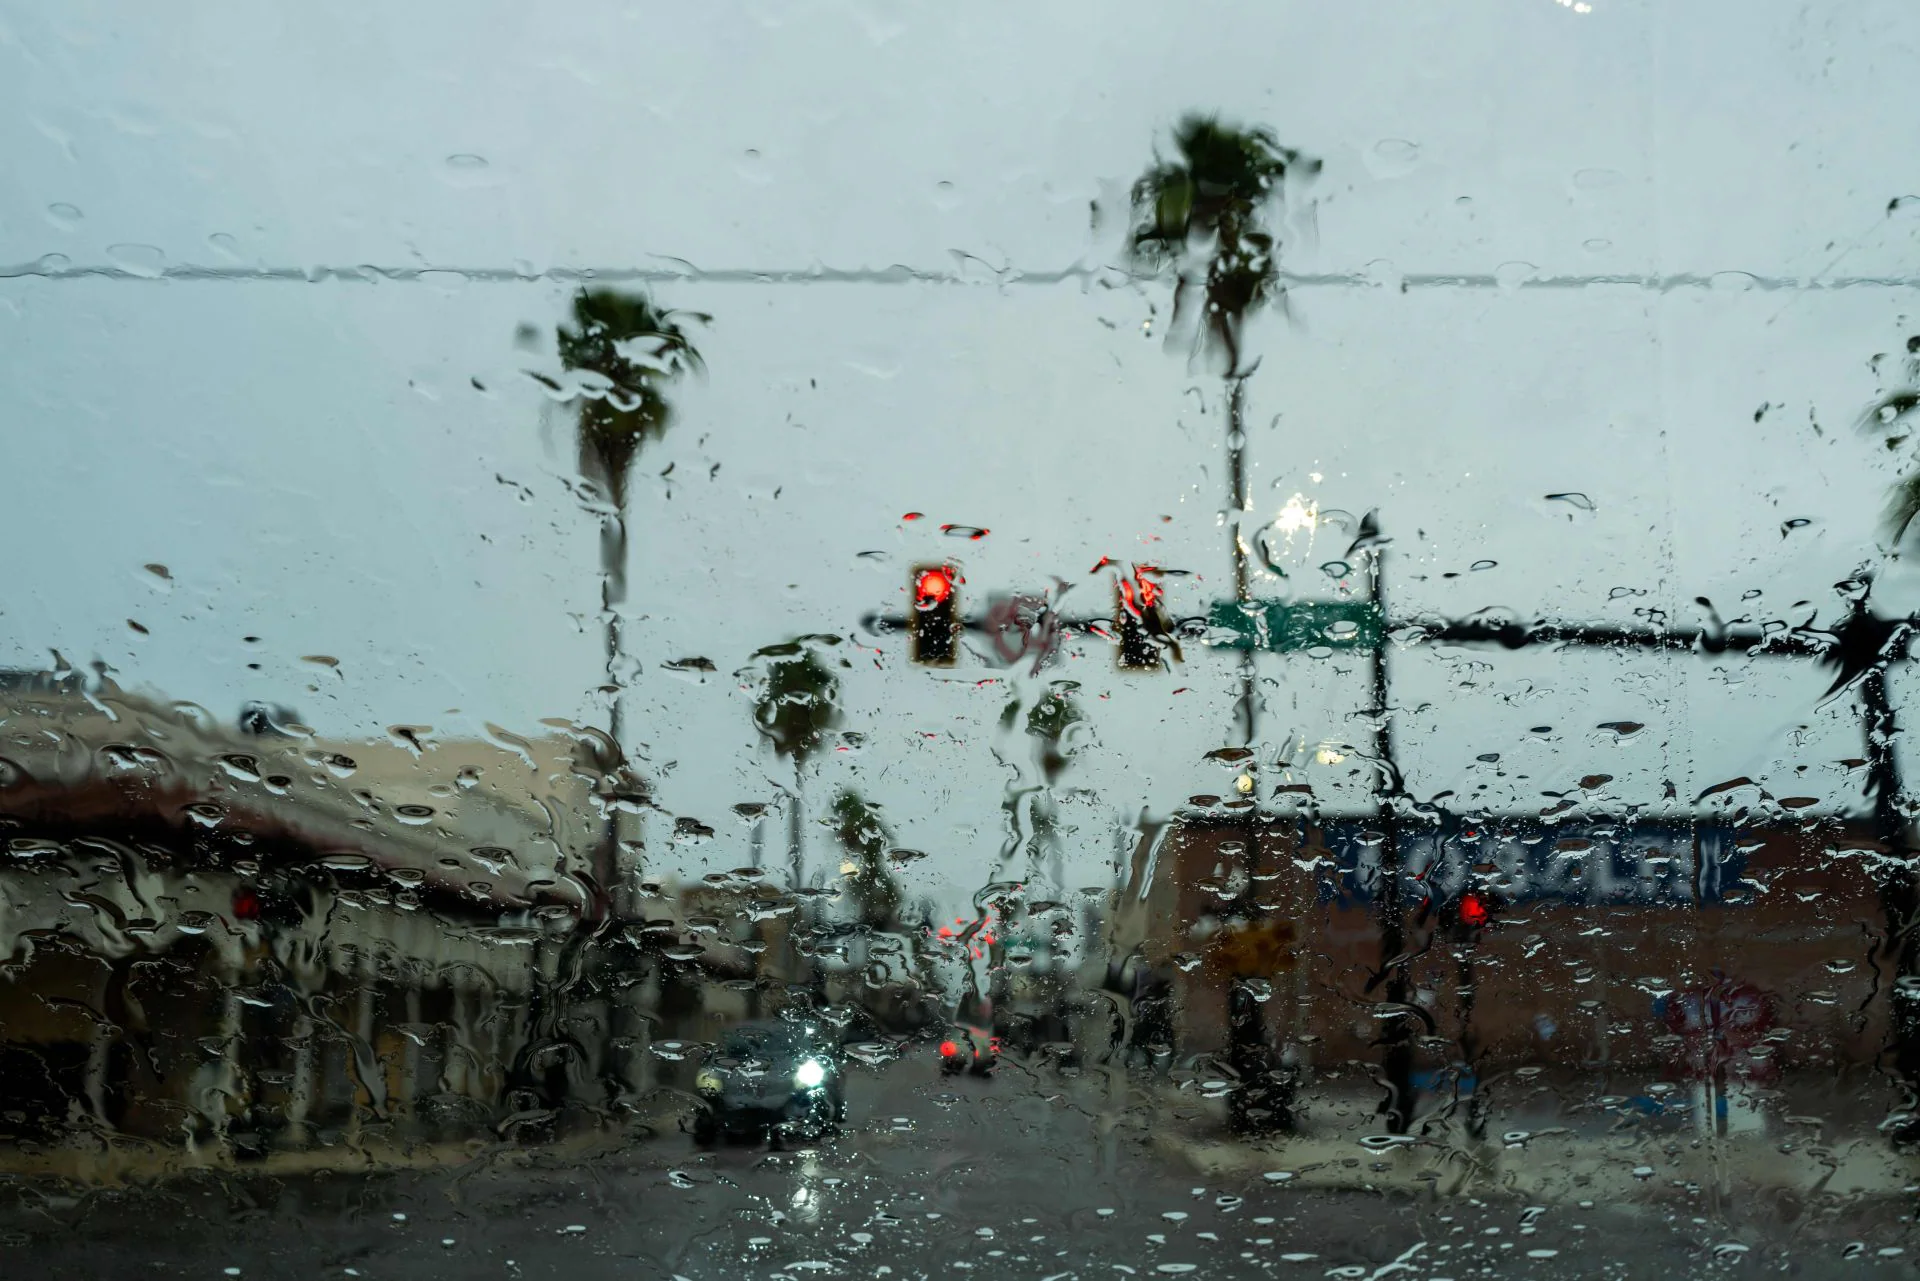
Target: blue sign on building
1595 863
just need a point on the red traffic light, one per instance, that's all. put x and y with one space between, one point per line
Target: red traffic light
246 905
1149 590
935 621
933 587
1473 911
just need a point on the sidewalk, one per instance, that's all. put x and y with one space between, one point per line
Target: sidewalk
1589 1160
85 1159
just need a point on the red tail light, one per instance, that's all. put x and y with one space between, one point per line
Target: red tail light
246 905
1474 911
948 1049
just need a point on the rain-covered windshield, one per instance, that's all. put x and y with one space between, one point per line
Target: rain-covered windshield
767 1039
1266 639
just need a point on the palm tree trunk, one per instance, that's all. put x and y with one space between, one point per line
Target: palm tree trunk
1239 500
1396 1036
796 829
801 921
613 594
1899 892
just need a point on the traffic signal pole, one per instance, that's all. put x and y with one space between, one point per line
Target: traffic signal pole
1863 646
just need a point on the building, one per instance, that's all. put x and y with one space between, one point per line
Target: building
239 938
1650 947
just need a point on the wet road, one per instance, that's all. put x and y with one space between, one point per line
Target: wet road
1011 1177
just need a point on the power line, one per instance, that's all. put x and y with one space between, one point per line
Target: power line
56 267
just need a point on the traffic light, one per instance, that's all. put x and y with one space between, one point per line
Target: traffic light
1471 913
275 903
935 623
1139 621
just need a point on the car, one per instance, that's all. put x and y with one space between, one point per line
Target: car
774 1077
966 1048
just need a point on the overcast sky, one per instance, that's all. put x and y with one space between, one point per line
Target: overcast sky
1594 248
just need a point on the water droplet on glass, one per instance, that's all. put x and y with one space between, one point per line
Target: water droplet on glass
466 170
145 261
64 216
1597 179
752 167
1512 275
1392 157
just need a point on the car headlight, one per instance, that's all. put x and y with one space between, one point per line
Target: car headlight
707 1083
810 1073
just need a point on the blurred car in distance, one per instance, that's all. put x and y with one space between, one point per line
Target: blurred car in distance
771 1077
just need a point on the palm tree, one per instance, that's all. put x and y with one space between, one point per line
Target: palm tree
1200 217
1892 417
864 835
799 703
1048 722
1864 644
629 350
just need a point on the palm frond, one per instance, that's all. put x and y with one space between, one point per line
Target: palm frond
1903 507
634 347
799 703
1209 200
1889 409
864 835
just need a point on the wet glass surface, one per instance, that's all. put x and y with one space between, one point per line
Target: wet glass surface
895 641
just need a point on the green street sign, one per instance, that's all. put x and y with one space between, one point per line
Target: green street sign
1283 627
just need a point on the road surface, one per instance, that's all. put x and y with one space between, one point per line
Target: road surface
1015 1176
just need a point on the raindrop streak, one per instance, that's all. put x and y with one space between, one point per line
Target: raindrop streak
1572 499
973 532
